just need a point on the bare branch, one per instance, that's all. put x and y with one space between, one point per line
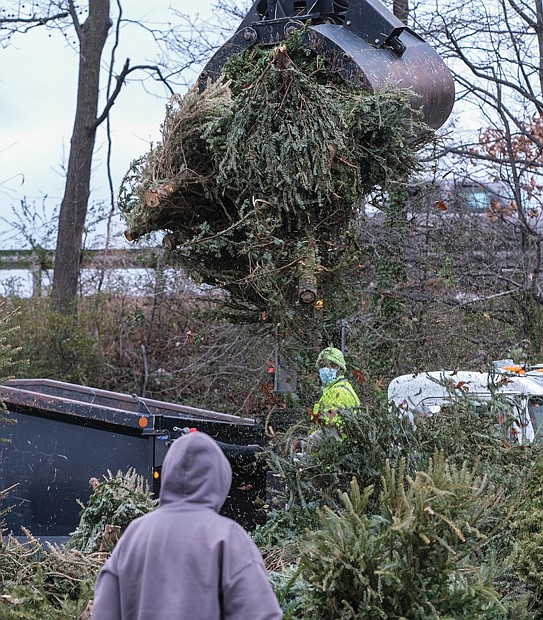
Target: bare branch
120 82
75 19
37 21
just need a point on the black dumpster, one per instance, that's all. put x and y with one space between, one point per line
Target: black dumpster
65 434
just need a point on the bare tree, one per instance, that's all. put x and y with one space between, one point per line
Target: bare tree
92 36
92 25
496 56
495 53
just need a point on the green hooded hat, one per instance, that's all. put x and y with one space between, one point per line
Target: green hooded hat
333 355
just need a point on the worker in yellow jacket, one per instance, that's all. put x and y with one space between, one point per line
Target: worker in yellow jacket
337 393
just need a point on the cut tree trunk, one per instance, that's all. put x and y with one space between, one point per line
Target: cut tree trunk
307 283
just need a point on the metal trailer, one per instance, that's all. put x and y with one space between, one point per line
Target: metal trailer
65 434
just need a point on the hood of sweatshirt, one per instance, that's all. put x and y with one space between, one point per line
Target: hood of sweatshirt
195 474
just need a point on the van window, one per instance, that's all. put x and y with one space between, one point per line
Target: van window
535 410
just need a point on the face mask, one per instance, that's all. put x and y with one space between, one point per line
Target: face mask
327 375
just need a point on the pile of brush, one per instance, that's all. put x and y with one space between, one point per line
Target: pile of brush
258 177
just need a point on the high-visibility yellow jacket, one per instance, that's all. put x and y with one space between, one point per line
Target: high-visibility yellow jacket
336 397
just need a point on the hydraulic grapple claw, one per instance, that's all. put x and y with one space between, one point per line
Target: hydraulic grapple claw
362 41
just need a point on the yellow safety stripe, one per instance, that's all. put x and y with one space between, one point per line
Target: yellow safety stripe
349 389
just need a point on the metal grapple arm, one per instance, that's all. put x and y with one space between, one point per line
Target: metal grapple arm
362 41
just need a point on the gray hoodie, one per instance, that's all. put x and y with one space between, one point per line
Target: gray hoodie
184 561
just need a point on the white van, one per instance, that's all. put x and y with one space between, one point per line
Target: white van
519 388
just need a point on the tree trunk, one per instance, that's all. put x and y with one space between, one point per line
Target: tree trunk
539 35
307 283
400 8
73 209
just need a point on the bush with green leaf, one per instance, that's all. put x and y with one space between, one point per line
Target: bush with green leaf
442 530
9 362
471 430
55 583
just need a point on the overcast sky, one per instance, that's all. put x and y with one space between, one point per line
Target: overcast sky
38 81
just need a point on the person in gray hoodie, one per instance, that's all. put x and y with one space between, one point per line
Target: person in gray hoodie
184 561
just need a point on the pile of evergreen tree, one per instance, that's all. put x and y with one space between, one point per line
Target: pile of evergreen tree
441 521
384 524
258 178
